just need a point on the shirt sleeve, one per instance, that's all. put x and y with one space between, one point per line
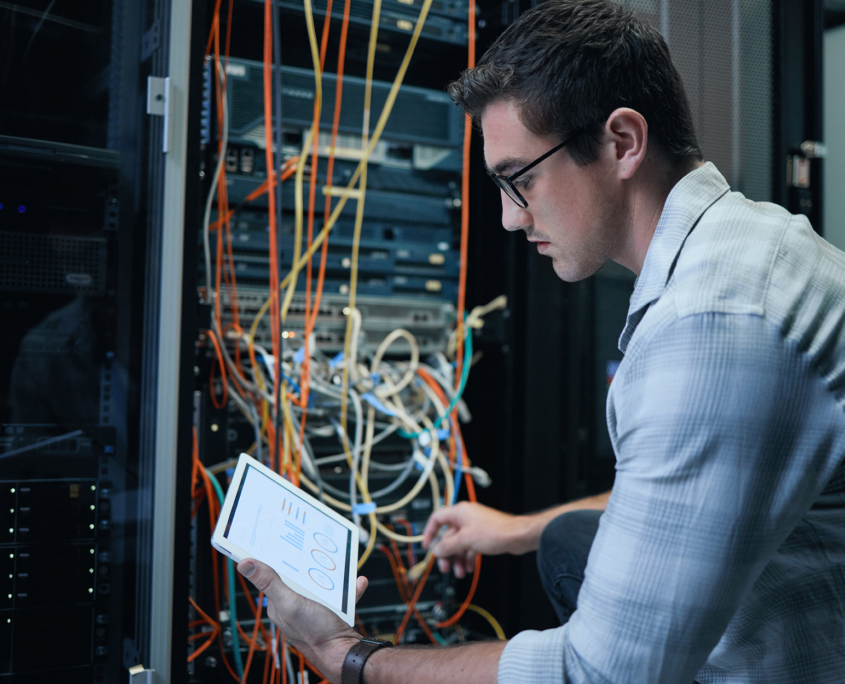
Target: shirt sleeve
724 436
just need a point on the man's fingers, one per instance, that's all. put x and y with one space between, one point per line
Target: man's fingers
360 587
443 565
448 515
449 544
432 527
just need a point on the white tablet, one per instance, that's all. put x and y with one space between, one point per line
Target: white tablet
313 548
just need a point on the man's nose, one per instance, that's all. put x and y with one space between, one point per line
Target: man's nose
514 217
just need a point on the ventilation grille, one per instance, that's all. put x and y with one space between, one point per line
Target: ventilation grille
52 264
723 51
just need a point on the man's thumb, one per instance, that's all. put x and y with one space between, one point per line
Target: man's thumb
262 576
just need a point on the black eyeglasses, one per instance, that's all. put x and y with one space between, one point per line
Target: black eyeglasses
506 182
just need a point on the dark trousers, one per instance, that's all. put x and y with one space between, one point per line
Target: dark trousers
562 557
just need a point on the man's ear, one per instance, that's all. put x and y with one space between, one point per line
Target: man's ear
626 134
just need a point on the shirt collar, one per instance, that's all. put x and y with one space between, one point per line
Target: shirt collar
687 201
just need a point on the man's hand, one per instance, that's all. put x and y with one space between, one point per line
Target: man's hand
457 534
468 530
317 632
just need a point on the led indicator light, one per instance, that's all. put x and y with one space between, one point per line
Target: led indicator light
21 209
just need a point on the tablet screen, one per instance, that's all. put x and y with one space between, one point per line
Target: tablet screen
283 530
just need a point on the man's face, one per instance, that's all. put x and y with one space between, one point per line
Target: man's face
574 212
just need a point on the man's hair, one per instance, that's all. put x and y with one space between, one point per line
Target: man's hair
569 63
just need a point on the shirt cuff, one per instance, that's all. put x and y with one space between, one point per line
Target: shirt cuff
533 656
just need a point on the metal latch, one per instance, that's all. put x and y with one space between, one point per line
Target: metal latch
798 165
813 149
138 674
158 103
797 171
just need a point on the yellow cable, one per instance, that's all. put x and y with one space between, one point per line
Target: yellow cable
359 213
382 122
290 279
371 542
346 508
487 616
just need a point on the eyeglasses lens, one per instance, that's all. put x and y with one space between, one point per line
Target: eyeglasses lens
509 190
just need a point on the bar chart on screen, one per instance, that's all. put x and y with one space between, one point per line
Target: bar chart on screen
292 533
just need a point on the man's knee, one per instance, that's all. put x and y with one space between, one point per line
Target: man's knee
565 545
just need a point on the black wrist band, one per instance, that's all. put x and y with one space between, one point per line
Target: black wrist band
353 665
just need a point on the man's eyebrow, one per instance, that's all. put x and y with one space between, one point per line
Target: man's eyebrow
512 164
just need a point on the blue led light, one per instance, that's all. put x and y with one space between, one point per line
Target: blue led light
21 209
1 205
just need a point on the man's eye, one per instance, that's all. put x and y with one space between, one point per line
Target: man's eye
522 182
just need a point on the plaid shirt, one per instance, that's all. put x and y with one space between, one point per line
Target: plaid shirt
721 557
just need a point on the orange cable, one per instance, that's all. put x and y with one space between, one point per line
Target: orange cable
312 190
253 606
211 636
410 530
401 585
268 656
462 278
470 491
212 514
287 171
254 639
222 403
271 196
413 602
341 60
460 612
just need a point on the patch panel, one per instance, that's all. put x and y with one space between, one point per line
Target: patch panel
419 115
249 227
428 320
379 205
375 258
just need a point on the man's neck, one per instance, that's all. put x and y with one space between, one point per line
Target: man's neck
650 189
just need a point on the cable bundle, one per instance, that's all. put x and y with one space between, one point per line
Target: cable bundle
292 394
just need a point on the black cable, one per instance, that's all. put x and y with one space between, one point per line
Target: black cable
36 30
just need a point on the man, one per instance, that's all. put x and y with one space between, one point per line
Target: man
720 556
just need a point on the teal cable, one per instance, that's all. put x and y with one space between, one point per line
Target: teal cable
458 394
233 618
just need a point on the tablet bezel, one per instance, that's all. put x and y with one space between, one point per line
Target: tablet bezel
237 554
